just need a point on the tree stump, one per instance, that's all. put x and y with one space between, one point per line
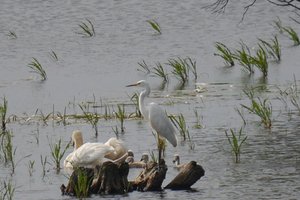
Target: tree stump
111 179
151 178
187 176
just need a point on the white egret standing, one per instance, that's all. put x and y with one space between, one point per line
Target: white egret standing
157 117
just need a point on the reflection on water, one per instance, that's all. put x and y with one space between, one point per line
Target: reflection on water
100 67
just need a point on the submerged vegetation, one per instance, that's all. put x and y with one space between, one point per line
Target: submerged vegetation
86 29
37 68
58 152
236 140
155 26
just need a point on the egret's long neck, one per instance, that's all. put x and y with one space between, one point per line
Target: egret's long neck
142 106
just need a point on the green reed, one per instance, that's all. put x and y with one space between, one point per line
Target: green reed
37 68
243 56
62 117
261 108
192 66
180 69
44 162
12 34
278 25
225 53
87 29
155 26
8 150
198 120
180 124
31 167
135 100
160 72
144 67
58 152
92 118
121 115
272 48
292 35
260 61
3 113
236 140
53 55
7 190
82 183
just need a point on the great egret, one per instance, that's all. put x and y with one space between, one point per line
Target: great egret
91 154
157 117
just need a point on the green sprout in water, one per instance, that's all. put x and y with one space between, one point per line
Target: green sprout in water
135 100
81 182
92 118
244 58
160 72
37 68
179 68
120 115
260 61
53 55
12 35
87 29
236 141
225 53
272 48
145 68
155 26
7 190
293 35
3 112
57 153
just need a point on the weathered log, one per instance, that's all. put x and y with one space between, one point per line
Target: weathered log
186 177
79 183
151 178
111 179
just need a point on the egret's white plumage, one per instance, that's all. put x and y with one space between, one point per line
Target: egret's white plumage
86 155
157 117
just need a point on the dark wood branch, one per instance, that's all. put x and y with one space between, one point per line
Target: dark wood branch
246 8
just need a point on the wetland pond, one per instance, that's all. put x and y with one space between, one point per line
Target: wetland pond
93 71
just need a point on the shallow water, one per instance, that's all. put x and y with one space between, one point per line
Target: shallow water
101 66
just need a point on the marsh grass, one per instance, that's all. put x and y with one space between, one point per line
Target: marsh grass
192 66
261 108
225 53
144 67
180 124
198 120
92 118
58 152
180 69
86 29
236 140
155 26
53 55
121 116
12 35
240 113
3 113
135 100
82 183
153 157
37 68
278 25
260 61
62 117
7 190
31 167
243 56
44 162
160 72
292 35
272 48
8 151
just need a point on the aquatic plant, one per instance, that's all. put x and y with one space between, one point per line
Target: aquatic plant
160 72
107 113
82 183
3 113
116 131
180 124
145 68
198 120
155 25
37 68
87 29
243 56
43 163
44 117
292 34
58 152
62 117
261 108
278 25
121 115
31 167
12 34
135 100
192 66
8 150
53 55
260 61
236 140
240 113
153 157
273 48
92 118
7 190
225 53
180 69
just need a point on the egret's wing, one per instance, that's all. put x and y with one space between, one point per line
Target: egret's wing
160 122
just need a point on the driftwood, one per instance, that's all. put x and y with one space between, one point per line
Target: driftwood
111 179
187 176
151 178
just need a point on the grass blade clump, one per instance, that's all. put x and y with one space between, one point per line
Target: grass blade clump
135 100
53 55
57 153
292 34
37 68
260 61
7 190
3 113
155 26
273 48
236 140
144 66
87 29
180 69
12 34
192 66
82 183
120 115
160 72
243 56
92 118
225 53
